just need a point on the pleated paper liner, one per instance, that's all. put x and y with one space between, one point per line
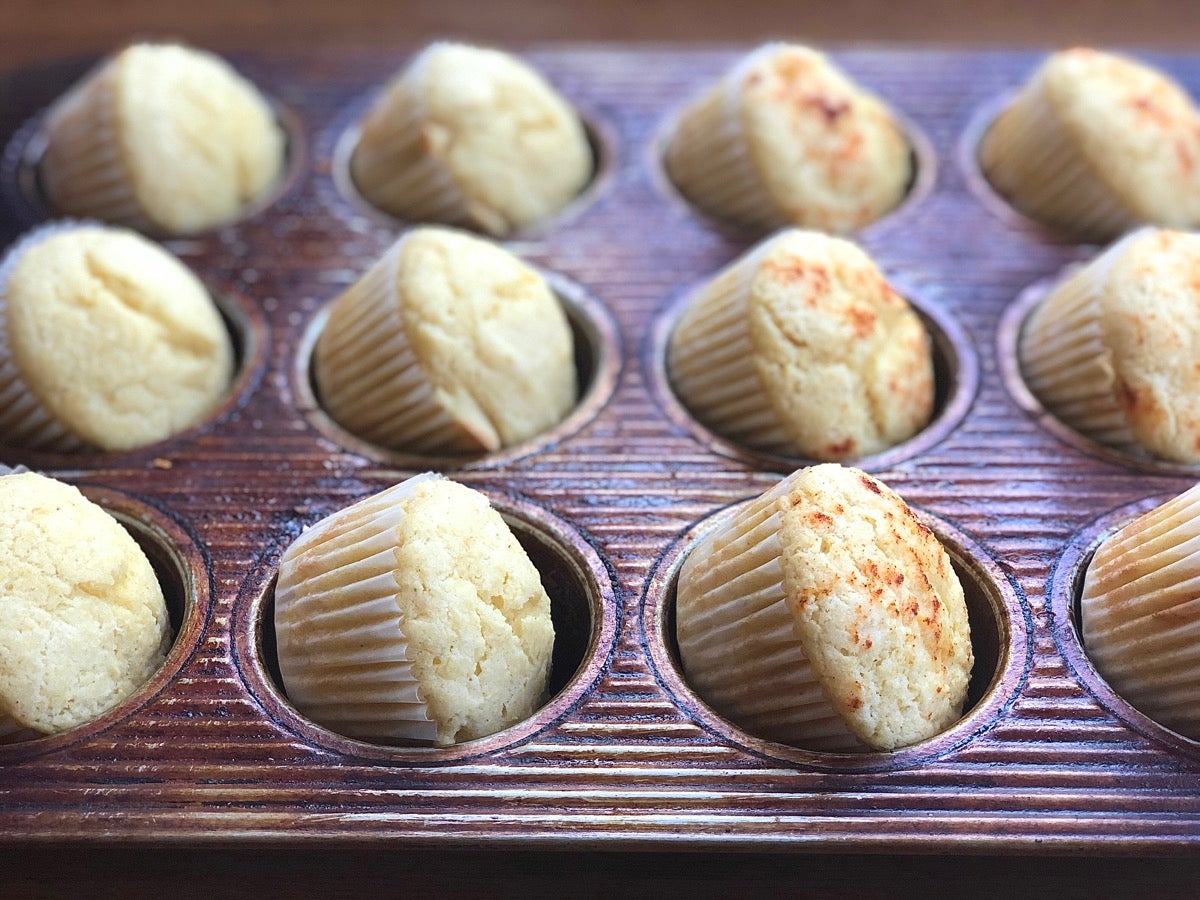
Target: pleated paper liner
1140 613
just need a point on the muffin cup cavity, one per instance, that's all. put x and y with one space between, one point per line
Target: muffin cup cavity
1064 590
181 566
999 637
1113 440
956 382
597 366
583 609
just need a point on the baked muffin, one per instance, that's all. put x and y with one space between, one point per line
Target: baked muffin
447 344
1096 143
824 614
106 341
83 623
471 137
413 616
1140 612
1114 349
785 138
161 138
801 346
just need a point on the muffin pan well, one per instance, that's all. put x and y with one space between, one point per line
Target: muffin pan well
624 754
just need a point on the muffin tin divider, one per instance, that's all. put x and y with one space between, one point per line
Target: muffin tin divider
210 752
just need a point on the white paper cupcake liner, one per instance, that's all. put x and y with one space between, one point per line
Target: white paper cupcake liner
709 159
342 654
710 361
393 168
736 636
1035 162
82 169
370 380
1066 361
1140 613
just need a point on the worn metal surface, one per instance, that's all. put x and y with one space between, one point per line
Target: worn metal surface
625 755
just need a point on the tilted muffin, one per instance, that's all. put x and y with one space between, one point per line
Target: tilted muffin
1140 612
413 616
1096 143
785 138
161 138
824 614
83 623
802 346
1114 350
106 340
447 344
471 137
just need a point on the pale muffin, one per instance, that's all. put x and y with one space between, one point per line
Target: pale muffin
471 137
83 623
162 138
106 340
1140 612
413 616
802 347
1097 143
824 614
786 138
448 343
1114 350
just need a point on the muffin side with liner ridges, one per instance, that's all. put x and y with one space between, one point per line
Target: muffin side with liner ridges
801 347
825 615
785 138
471 137
1096 144
413 616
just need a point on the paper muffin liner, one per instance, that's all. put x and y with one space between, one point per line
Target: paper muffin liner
1066 362
342 654
736 636
710 361
394 169
1140 613
370 380
1032 159
24 419
709 159
82 169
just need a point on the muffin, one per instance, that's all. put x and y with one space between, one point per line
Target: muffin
471 137
83 623
1140 612
161 138
1114 349
785 138
413 616
447 344
106 341
824 614
1095 144
801 346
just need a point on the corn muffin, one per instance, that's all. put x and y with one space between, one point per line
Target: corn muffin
447 344
471 137
785 138
83 623
801 346
1096 143
1114 349
1140 612
413 616
161 138
106 341
824 614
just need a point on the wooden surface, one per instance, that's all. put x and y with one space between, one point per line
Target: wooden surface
1061 767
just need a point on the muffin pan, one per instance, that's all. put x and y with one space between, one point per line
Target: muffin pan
1046 757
